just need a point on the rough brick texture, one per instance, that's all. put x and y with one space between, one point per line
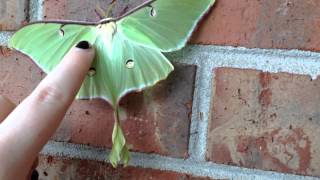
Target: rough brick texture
283 24
57 168
18 76
155 120
265 120
13 13
85 10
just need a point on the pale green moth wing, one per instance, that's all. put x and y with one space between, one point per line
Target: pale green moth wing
166 24
46 44
120 66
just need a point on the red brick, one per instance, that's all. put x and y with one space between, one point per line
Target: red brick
156 120
84 10
255 24
267 121
13 13
18 76
58 168
282 24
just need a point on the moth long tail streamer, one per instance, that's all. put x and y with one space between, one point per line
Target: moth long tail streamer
120 151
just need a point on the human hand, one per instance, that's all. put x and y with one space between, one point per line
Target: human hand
28 127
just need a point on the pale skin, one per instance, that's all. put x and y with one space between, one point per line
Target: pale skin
26 128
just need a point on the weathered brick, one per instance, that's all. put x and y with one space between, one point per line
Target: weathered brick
155 120
85 10
59 168
283 24
265 120
255 24
18 76
13 13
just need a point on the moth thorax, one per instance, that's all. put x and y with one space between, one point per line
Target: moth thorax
109 28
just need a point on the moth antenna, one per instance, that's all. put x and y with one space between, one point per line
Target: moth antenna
102 21
110 7
100 12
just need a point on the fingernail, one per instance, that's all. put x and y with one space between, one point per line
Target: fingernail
35 175
83 45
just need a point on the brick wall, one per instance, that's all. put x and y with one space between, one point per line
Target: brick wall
247 112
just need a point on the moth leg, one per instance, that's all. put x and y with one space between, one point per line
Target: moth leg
114 28
110 7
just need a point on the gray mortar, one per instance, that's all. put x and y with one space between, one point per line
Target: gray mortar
201 104
4 38
271 60
166 163
36 10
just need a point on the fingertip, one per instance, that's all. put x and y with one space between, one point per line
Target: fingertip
69 74
84 49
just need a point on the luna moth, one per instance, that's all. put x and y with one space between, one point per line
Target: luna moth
128 51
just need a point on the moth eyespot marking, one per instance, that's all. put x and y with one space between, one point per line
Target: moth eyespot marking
153 12
92 71
61 32
130 64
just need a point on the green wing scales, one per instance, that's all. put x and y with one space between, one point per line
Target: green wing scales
166 25
46 44
115 77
